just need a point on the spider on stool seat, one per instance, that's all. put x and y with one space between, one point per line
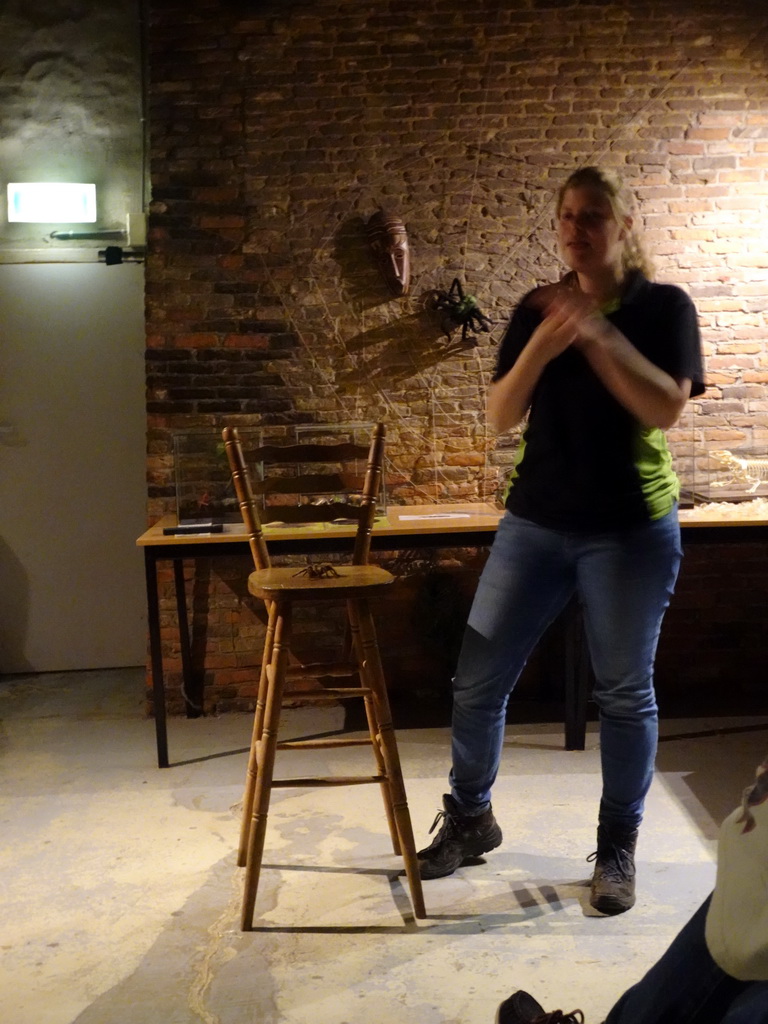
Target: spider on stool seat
315 572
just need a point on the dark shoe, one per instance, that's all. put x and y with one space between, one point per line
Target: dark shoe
613 881
461 836
521 1008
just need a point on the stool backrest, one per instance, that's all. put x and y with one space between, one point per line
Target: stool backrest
307 483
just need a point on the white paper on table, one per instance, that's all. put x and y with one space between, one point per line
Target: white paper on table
440 515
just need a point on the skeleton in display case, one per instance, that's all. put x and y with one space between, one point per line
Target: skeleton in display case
747 471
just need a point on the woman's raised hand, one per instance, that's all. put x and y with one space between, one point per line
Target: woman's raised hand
570 318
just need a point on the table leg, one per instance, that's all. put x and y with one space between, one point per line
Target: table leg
182 616
577 682
156 657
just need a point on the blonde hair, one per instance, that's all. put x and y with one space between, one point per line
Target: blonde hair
634 255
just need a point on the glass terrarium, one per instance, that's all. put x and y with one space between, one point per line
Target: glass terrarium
341 480
204 489
720 453
734 474
681 443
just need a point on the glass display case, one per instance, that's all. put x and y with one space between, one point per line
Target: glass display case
680 441
732 474
204 490
720 453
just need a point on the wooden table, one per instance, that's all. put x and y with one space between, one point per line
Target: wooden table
406 526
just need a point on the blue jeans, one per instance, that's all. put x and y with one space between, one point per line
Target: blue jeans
687 987
624 580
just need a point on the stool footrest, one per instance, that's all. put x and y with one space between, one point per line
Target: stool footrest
335 692
336 780
319 669
321 744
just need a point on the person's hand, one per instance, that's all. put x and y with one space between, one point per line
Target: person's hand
568 320
580 312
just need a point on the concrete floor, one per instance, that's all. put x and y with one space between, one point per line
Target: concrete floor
121 896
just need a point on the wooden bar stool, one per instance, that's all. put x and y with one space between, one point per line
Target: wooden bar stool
281 589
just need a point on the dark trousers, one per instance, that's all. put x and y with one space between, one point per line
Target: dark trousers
687 987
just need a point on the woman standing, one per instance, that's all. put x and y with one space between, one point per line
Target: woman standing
603 362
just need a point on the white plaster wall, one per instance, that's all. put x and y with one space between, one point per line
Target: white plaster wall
70 80
72 420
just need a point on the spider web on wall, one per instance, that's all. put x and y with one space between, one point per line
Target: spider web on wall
475 209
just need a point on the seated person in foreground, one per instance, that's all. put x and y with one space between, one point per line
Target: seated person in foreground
716 970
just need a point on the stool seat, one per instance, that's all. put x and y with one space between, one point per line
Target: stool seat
350 580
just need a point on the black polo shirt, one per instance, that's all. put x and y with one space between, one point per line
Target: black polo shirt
584 462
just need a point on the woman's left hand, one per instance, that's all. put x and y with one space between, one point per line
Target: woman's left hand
582 311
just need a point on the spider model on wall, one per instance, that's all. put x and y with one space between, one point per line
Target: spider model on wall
461 311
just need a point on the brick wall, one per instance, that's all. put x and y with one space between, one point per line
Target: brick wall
278 129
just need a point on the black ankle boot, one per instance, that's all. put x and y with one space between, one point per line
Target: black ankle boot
522 1008
460 837
613 881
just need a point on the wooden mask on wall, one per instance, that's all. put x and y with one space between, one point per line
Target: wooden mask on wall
388 240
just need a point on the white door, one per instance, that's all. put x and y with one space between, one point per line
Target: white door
72 466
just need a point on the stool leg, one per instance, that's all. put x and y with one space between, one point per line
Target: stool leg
265 758
373 728
370 663
258 725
